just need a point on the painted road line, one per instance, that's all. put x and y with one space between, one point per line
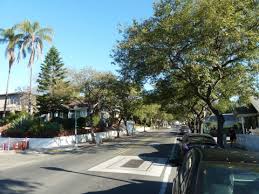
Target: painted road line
117 153
165 179
150 167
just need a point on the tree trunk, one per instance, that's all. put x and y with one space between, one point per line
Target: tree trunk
221 121
125 123
30 97
6 94
199 123
118 129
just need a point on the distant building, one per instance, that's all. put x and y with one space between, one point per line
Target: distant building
210 124
16 102
242 118
249 115
67 111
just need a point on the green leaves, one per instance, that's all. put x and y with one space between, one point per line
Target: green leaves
33 38
196 51
53 89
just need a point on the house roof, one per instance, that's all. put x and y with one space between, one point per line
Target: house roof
251 109
13 93
79 103
255 102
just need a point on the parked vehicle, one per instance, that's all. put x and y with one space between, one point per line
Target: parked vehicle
190 141
184 129
217 171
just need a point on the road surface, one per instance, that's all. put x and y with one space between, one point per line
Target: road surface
131 165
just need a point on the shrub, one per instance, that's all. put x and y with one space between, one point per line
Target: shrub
10 117
21 127
32 127
81 122
48 129
58 120
69 124
96 120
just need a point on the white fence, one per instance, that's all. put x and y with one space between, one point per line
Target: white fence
36 143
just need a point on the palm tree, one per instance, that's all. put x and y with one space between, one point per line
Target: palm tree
32 43
12 39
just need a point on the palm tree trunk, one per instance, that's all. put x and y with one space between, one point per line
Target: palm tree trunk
6 94
30 98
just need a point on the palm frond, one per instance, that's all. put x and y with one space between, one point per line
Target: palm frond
45 31
33 37
32 56
23 44
39 46
24 26
35 26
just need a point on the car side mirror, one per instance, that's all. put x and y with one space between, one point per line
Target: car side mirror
179 139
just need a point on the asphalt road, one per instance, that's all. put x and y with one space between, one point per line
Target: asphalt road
131 165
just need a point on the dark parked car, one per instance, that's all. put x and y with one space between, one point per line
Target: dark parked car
184 130
218 171
195 140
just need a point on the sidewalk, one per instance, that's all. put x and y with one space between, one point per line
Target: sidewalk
235 146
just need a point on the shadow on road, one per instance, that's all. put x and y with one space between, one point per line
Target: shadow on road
86 174
162 151
140 186
8 186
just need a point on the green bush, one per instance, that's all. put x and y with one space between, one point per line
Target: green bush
96 120
68 124
81 122
10 117
32 127
57 120
48 129
21 127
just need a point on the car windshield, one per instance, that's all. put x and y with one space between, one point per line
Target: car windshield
200 139
225 178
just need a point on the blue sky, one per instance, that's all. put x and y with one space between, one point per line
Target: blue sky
85 31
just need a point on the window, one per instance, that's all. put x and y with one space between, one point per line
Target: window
12 100
229 178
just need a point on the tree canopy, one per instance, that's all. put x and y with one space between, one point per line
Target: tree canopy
53 88
208 46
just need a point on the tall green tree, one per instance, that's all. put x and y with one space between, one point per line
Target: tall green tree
127 99
33 40
13 40
207 45
152 113
181 101
94 89
51 83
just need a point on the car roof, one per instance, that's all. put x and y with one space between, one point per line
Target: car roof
198 135
229 156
